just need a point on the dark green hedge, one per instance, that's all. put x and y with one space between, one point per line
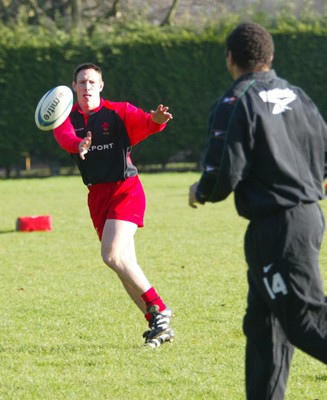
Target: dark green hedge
184 71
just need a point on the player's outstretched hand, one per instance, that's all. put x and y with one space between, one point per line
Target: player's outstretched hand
161 114
85 145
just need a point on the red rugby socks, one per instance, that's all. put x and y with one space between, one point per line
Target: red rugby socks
152 298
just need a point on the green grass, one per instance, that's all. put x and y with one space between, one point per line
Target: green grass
69 331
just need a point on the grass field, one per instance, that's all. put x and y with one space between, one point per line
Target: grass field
69 331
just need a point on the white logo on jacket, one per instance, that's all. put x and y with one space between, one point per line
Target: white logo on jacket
280 97
101 147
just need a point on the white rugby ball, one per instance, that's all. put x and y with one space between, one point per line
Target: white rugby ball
53 108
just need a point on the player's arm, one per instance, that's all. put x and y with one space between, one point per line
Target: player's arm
66 137
227 154
201 191
140 124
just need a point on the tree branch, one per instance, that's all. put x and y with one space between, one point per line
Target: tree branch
171 13
112 12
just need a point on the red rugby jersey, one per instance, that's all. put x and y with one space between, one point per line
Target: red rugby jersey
115 127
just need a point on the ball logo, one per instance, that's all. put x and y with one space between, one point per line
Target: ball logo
52 107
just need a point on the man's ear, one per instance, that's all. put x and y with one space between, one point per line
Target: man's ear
101 86
230 58
74 86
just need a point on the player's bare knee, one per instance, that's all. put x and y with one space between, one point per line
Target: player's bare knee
112 259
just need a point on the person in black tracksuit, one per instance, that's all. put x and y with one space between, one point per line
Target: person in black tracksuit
268 144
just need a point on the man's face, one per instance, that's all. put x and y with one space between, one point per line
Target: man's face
88 87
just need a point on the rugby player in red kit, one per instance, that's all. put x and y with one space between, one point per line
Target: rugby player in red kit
99 134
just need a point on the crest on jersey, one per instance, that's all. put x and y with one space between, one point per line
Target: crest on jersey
105 127
280 98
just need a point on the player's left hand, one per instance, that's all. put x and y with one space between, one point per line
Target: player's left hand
192 201
161 114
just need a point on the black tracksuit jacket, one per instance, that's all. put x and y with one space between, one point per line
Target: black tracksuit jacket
267 143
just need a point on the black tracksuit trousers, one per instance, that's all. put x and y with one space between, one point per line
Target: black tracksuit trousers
286 303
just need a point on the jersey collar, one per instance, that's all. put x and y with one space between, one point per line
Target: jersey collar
78 108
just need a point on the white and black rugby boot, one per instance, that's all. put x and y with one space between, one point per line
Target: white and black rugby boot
160 329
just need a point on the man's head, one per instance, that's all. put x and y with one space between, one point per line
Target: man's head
86 66
249 48
88 84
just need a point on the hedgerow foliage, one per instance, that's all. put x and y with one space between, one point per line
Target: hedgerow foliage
145 66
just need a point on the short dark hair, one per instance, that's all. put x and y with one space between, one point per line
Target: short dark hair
86 66
251 45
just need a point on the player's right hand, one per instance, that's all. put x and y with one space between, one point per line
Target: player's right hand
85 145
192 201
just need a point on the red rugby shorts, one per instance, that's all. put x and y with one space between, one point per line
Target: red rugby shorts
123 200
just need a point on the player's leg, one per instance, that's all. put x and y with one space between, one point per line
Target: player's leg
118 252
294 284
268 351
133 294
285 269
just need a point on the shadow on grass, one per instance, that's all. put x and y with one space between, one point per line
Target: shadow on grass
7 231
